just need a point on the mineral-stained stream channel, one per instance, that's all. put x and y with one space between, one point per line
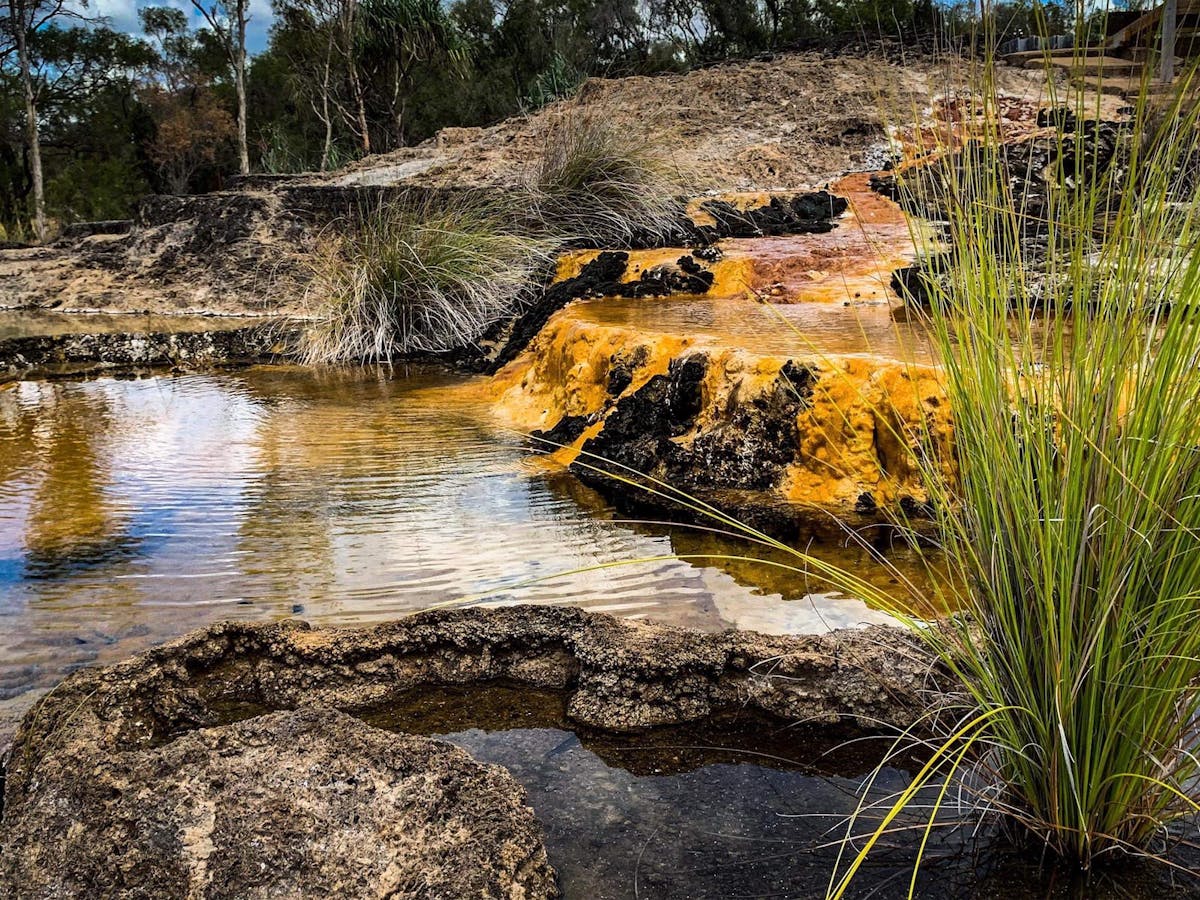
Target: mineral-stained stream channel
132 511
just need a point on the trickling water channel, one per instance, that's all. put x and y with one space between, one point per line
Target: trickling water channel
132 511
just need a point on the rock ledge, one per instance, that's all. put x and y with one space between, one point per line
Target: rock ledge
174 774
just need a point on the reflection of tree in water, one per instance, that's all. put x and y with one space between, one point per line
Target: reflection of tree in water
333 450
284 531
62 431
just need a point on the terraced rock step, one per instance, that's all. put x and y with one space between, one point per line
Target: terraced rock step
798 445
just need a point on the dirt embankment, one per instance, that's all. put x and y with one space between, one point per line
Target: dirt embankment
795 121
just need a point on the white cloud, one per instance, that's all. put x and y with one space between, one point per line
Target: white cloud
122 15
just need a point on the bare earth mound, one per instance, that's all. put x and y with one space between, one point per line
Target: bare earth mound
794 121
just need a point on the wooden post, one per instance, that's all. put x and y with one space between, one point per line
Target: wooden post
1166 72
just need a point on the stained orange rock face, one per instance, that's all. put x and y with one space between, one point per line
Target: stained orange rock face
851 263
666 387
732 274
857 421
567 371
862 431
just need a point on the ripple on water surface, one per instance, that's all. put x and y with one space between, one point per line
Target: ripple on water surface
134 511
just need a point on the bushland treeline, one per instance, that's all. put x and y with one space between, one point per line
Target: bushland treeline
120 115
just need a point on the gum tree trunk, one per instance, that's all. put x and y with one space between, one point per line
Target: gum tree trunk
31 132
240 81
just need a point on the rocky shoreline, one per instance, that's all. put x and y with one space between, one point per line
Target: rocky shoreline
190 769
92 353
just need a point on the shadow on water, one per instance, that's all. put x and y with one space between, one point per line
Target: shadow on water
736 807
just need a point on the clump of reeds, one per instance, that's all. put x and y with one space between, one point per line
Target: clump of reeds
424 276
1068 517
1070 353
605 186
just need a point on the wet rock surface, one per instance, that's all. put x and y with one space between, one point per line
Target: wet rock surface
307 803
171 775
797 446
88 354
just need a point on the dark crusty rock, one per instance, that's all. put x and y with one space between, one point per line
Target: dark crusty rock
807 213
309 803
90 353
750 450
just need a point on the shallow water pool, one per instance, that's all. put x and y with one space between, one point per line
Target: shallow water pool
741 808
132 511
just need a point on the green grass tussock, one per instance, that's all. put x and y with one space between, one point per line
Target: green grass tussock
433 276
422 277
599 185
1076 519
1071 362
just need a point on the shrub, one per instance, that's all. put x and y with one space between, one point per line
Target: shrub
557 81
598 184
419 277
1076 519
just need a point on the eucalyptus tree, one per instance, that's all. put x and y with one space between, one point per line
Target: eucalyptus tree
20 21
228 19
314 37
85 79
395 36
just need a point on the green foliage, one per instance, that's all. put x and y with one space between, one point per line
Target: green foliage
90 189
1068 331
597 184
420 277
556 82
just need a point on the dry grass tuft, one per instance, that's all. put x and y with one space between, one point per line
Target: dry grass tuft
425 277
602 186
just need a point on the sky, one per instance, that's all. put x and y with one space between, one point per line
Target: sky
122 15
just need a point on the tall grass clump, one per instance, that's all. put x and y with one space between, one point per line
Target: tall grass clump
1066 507
1068 331
424 276
601 185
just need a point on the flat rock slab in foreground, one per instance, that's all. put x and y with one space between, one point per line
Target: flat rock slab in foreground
311 803
130 781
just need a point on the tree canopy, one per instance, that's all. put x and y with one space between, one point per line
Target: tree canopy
121 115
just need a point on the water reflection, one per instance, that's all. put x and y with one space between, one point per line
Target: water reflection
818 329
738 807
133 511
